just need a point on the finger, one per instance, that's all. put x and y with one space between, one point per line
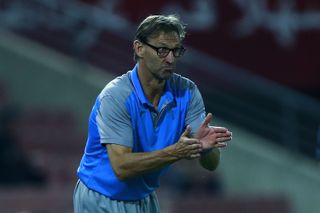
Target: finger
219 129
193 156
220 135
196 146
207 120
221 145
223 139
195 151
186 132
192 141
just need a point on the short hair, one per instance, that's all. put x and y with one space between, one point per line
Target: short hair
154 24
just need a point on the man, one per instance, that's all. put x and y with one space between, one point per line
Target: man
142 122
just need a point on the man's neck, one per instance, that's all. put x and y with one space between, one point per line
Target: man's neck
152 87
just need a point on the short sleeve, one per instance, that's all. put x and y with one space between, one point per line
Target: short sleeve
114 123
196 111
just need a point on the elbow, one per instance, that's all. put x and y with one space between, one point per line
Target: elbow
210 160
121 163
121 173
210 167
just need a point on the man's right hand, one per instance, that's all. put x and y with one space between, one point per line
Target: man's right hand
186 147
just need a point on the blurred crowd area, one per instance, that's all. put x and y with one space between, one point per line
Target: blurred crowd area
253 52
271 38
39 153
255 62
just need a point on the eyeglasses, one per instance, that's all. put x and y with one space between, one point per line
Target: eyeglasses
162 52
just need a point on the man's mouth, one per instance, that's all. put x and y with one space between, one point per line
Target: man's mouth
169 69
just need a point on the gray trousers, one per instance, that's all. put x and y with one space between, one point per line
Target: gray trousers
86 200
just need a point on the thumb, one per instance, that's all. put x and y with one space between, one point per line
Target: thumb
207 120
186 132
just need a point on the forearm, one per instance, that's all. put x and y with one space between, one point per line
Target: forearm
127 164
132 164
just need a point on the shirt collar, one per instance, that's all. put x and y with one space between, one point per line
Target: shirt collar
166 98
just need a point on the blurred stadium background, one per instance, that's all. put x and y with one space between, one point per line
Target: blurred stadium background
256 63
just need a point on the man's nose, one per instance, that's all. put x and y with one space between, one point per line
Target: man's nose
170 57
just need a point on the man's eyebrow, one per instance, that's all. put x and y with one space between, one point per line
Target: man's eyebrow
161 44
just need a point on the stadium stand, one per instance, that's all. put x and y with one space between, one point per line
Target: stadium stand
54 143
231 91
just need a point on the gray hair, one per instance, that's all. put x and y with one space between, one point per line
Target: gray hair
154 24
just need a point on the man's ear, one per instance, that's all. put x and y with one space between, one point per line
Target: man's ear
138 48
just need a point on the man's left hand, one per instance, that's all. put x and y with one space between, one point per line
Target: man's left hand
211 136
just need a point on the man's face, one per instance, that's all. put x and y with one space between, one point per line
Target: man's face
161 67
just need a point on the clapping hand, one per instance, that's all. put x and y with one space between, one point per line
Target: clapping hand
211 136
188 148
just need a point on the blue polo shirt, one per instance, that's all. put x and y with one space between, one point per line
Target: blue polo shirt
123 115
